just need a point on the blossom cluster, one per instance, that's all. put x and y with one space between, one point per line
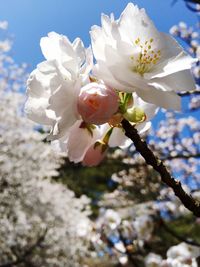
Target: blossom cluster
42 223
129 232
182 255
138 69
177 141
190 36
122 231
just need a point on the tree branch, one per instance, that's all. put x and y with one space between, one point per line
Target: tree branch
181 156
141 146
193 1
176 235
197 92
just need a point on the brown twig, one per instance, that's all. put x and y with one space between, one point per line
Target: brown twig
141 146
181 156
177 236
197 92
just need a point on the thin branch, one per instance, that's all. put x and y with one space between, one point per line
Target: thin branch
164 158
181 156
141 146
197 92
193 1
190 7
177 236
8 264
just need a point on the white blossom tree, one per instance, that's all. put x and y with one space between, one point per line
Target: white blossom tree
42 223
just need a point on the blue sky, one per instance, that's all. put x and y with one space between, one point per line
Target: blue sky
29 20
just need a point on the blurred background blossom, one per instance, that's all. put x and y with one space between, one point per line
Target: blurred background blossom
55 213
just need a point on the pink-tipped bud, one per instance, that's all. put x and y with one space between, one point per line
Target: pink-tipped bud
97 103
94 155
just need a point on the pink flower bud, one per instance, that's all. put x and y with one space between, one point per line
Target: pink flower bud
94 155
97 103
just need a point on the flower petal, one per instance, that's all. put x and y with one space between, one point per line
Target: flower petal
35 109
134 23
76 150
143 127
160 98
117 138
181 62
150 110
180 81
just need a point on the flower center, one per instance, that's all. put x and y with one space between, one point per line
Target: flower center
147 57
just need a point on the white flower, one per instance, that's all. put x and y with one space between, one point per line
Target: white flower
198 52
5 45
120 247
179 263
89 134
77 140
123 259
143 226
182 255
3 25
153 260
174 30
183 252
132 56
112 218
54 86
31 205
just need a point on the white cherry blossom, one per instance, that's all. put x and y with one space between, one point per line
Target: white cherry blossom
36 214
153 260
54 85
133 56
183 251
88 134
